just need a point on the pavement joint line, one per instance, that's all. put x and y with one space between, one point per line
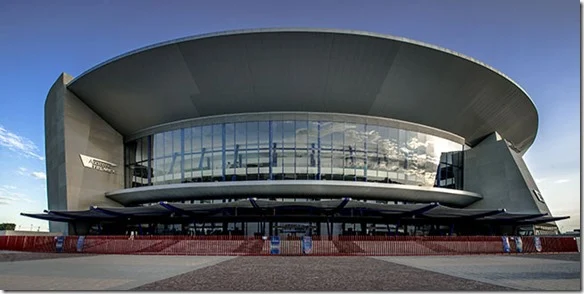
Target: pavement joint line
186 269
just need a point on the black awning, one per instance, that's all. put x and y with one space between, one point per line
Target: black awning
49 217
544 219
346 209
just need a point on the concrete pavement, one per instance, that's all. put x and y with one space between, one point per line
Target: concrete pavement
522 273
101 272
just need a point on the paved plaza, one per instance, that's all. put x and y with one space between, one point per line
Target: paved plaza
34 271
528 272
98 272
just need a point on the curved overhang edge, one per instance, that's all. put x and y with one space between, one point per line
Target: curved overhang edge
317 30
293 189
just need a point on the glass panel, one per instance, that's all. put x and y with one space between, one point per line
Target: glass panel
360 152
288 158
207 153
230 156
326 130
188 155
158 161
276 152
197 163
351 141
338 149
303 152
264 150
176 157
217 164
373 160
252 160
314 150
296 150
241 146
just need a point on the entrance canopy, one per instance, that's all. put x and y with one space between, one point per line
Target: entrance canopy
343 210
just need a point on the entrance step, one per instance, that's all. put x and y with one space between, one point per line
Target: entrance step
347 247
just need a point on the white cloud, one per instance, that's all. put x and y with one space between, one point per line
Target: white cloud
21 171
39 175
7 199
561 181
18 144
8 196
9 187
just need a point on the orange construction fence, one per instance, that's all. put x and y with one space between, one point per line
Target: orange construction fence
319 245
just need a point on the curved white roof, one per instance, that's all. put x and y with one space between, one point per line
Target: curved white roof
308 70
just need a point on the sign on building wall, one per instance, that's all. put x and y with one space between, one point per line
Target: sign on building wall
98 164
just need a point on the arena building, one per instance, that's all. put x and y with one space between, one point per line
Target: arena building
291 131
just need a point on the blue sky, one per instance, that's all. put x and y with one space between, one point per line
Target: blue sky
534 42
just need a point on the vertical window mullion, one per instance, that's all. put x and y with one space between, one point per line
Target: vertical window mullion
182 155
150 158
294 153
318 163
223 143
282 148
365 138
270 142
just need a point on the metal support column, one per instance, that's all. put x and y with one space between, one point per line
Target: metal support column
318 176
270 152
223 157
397 228
182 155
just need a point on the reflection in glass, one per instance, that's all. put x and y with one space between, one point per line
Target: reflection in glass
294 150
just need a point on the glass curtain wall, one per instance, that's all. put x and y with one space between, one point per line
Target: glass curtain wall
291 150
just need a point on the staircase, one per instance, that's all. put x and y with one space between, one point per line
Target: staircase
250 247
436 247
158 246
347 247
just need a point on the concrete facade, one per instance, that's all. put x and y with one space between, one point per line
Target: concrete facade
72 129
500 175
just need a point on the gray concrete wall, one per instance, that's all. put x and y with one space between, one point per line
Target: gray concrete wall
500 175
71 129
55 150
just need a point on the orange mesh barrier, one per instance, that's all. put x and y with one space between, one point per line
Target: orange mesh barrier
321 245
